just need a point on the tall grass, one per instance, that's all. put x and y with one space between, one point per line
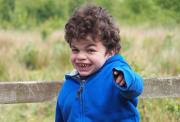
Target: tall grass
153 52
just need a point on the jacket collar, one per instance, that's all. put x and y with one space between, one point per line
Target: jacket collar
116 57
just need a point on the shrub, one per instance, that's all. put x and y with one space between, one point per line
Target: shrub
29 56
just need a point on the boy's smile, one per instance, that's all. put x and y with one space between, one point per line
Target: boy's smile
88 56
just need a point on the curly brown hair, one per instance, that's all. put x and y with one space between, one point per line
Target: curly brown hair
93 21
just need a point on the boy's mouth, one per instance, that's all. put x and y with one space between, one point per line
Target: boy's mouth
83 67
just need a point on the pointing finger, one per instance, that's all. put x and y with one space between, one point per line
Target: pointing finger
119 78
122 83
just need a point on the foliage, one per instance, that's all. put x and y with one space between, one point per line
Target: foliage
6 9
29 56
34 14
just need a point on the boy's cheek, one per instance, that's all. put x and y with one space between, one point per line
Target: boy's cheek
72 58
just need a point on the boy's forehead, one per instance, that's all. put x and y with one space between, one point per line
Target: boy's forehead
85 42
81 42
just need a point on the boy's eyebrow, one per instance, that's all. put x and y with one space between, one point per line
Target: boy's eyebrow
89 45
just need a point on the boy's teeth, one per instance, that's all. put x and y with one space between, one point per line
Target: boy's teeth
83 65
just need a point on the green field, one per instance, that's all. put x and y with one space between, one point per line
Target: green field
32 47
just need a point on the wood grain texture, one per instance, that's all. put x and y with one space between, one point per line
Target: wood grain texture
161 87
40 91
28 91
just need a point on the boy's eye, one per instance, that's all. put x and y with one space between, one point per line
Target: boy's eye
74 50
91 50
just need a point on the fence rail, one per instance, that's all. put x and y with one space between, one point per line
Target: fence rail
40 91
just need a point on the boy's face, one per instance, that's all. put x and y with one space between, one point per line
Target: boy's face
88 56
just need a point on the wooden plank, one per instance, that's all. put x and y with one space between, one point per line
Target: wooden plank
161 87
40 91
28 91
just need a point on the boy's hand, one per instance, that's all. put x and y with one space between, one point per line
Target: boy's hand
119 79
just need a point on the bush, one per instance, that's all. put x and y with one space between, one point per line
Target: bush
35 13
6 9
29 56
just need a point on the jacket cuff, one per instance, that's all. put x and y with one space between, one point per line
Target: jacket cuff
128 78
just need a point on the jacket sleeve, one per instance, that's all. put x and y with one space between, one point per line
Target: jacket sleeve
58 114
134 83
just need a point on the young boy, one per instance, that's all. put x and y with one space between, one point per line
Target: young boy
103 88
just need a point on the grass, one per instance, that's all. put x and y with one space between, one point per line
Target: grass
152 52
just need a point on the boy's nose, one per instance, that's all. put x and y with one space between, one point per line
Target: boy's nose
81 56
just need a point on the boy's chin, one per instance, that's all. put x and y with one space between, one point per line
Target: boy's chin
85 74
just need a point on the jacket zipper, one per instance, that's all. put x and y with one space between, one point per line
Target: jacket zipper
80 96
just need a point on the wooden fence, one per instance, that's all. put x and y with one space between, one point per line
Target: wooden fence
40 91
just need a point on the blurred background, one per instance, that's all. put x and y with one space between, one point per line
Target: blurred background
32 47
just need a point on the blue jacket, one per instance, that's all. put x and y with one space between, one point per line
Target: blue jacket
99 98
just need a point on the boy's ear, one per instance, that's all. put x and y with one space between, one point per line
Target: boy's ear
110 53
